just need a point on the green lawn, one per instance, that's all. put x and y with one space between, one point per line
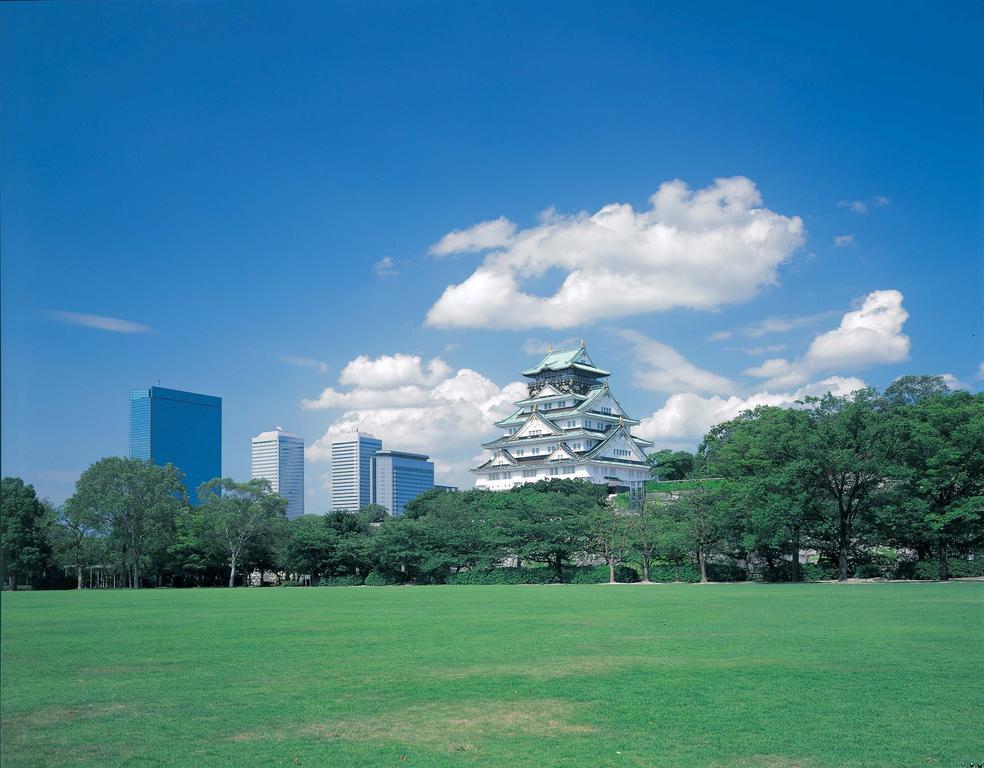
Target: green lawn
626 675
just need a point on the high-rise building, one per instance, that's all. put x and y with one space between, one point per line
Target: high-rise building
399 478
569 426
168 426
351 469
278 456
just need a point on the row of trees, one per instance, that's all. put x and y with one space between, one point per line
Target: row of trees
855 479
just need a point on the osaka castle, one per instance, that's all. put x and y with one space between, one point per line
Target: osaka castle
569 426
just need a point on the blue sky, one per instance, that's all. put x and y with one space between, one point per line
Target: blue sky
260 193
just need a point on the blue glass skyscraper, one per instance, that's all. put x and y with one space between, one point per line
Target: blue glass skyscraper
399 478
168 426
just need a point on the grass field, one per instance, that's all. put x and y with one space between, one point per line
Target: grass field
631 675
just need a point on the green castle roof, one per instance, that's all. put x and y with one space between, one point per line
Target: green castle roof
558 360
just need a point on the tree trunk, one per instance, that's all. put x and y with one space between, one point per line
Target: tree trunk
232 574
78 577
842 553
944 565
136 573
703 565
645 569
796 557
611 569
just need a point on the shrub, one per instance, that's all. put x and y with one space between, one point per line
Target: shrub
598 574
340 581
668 572
817 572
504 576
958 567
376 579
291 583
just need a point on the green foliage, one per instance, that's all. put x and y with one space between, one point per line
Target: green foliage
376 579
599 574
135 504
340 581
25 549
670 465
234 516
475 576
957 568
583 574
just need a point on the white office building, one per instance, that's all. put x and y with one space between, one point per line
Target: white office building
351 469
278 456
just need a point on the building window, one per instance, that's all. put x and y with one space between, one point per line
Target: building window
529 473
535 450
554 470
519 451
506 475
568 470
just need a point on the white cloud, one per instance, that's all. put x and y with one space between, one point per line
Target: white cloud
447 419
768 349
686 417
844 241
539 346
953 383
866 336
980 372
101 322
863 206
697 249
385 267
388 371
304 362
720 335
779 324
480 237
661 368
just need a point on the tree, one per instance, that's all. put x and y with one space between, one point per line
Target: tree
78 524
134 501
643 532
849 455
608 535
700 513
670 465
761 455
235 514
546 522
909 390
942 446
673 536
24 520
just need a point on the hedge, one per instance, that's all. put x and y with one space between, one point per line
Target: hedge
376 579
959 568
340 581
584 574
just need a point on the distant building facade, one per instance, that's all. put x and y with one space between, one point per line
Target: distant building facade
569 426
169 426
351 469
399 478
278 456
